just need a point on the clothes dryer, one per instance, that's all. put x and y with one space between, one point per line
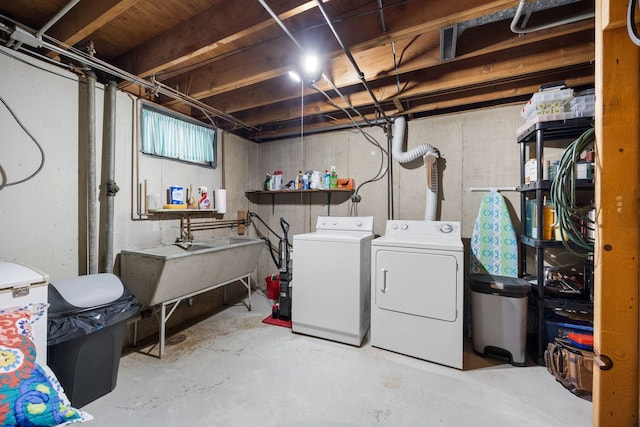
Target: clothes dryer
331 286
417 290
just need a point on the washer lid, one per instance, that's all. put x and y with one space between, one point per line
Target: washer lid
14 275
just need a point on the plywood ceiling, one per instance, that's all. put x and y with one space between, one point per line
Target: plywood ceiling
232 57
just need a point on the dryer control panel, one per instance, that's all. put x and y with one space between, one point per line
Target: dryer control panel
425 228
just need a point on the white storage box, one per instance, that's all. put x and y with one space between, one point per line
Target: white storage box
21 286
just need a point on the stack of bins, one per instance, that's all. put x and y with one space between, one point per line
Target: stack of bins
499 316
87 315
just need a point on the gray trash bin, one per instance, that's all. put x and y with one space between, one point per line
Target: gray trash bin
499 316
87 315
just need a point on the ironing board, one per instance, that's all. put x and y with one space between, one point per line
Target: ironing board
494 247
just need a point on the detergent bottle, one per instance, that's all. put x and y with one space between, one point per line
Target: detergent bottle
204 202
334 178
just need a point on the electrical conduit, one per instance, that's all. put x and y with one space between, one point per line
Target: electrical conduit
429 155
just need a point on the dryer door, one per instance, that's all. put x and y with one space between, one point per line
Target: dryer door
421 283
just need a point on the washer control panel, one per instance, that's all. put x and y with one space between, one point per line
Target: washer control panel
346 223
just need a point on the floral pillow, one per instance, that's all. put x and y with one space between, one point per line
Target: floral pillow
28 397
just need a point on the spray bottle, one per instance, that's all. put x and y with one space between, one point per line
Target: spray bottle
204 202
334 178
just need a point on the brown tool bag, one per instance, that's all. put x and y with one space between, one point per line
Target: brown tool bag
572 366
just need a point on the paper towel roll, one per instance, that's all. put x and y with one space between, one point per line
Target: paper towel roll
220 200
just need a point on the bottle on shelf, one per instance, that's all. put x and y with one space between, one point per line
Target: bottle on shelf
267 183
327 179
299 181
548 220
334 178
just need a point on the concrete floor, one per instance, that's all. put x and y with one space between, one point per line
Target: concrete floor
234 370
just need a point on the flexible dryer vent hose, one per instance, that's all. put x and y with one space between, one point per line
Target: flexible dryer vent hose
429 154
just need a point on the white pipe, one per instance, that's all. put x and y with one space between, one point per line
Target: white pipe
521 30
429 155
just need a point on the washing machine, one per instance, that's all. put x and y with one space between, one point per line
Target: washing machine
331 285
417 290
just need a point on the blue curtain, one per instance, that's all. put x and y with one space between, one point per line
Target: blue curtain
168 136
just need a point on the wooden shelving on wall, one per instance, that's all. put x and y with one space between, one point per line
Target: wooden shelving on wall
255 196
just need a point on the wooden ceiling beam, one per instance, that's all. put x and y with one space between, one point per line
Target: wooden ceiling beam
86 18
274 58
479 96
500 66
419 53
218 29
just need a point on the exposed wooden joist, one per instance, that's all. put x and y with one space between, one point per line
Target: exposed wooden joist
207 32
462 99
415 54
274 58
501 66
86 18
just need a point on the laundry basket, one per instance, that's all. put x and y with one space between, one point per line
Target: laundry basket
86 322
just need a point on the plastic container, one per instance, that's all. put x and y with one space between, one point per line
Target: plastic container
86 327
547 102
499 316
562 328
273 286
584 341
176 195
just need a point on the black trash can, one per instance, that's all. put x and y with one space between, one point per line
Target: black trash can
86 320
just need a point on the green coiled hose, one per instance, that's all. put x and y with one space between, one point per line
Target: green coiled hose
571 215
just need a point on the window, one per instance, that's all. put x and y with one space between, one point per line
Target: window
172 135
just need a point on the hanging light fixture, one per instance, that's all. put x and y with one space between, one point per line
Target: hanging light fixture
309 69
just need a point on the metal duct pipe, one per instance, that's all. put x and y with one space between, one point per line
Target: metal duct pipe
521 30
352 59
92 205
110 187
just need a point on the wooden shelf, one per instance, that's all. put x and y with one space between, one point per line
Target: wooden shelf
181 211
274 193
323 190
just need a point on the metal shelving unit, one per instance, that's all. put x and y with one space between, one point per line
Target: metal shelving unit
536 136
